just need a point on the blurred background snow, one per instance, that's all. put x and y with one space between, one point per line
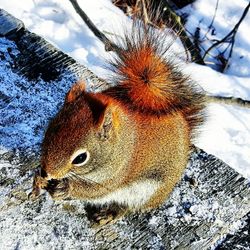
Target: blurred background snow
227 132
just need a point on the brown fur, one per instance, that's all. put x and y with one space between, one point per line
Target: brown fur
137 132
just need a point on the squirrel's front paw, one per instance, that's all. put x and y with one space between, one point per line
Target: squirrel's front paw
58 189
38 183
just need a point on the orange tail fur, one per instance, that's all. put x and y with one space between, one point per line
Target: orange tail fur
148 81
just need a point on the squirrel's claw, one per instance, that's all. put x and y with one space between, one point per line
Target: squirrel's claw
38 184
34 194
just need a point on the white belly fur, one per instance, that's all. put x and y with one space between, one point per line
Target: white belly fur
135 195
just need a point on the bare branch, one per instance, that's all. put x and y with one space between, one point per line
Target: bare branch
228 100
231 35
109 46
194 51
212 22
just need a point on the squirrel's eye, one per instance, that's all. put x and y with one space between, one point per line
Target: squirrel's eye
81 159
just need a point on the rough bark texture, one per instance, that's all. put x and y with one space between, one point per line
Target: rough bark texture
208 207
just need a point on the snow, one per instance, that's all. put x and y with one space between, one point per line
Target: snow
226 133
26 132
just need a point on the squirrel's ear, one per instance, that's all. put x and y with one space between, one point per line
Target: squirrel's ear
105 124
76 90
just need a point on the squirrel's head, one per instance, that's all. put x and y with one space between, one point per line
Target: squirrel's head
86 139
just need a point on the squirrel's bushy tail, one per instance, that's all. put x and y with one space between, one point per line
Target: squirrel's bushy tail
148 80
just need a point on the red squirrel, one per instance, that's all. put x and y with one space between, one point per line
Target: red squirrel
128 144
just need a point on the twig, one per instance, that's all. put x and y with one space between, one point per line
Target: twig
228 100
196 39
145 13
212 22
231 35
230 54
143 4
195 55
109 46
